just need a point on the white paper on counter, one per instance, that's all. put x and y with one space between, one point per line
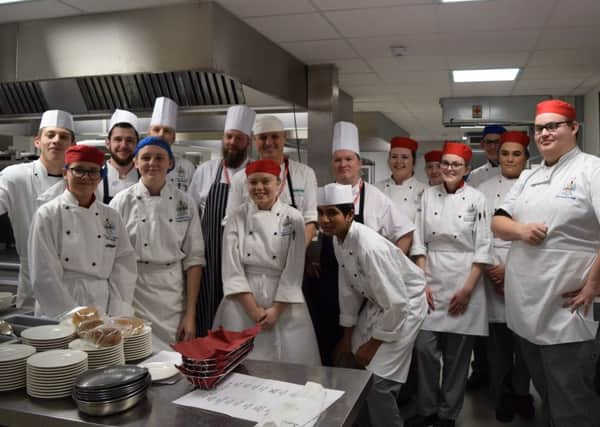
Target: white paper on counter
249 398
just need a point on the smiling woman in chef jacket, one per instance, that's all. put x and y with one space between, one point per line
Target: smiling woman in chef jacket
509 378
452 243
163 225
552 217
373 271
263 265
402 187
432 167
78 247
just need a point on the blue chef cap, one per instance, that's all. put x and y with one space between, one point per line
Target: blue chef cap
493 129
159 142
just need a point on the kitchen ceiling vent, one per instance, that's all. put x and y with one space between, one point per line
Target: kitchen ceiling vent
138 91
21 98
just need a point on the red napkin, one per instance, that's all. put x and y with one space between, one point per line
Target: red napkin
218 343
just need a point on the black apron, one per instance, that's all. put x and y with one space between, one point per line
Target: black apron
211 286
106 198
322 294
290 186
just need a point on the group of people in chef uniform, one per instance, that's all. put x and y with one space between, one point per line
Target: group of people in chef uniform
409 275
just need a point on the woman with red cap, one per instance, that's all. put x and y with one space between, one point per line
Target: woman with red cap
263 264
164 228
432 167
509 378
79 250
552 217
452 243
402 187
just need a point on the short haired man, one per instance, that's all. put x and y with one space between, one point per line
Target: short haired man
489 143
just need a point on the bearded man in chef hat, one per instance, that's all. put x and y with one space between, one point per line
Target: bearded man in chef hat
164 125
552 276
21 184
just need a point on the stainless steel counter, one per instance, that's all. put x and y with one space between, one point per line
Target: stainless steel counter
157 410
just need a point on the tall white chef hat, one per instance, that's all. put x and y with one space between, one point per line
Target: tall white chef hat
334 194
266 124
240 117
123 116
57 119
164 113
345 137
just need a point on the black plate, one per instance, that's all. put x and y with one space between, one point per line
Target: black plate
112 393
109 376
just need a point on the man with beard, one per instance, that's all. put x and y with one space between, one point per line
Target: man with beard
120 143
210 189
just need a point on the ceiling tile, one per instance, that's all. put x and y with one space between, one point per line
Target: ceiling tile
362 4
494 15
412 77
552 73
570 38
416 44
564 57
544 84
95 6
359 79
26 11
322 51
482 89
378 92
459 43
289 28
491 60
576 13
541 91
392 20
352 66
245 8
409 63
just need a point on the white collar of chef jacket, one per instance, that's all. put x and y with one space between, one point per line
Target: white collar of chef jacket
351 232
68 199
274 209
544 173
142 191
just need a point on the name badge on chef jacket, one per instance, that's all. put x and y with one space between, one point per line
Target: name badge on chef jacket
470 215
287 229
182 212
568 191
110 233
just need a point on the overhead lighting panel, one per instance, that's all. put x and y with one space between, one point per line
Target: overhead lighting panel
455 1
492 75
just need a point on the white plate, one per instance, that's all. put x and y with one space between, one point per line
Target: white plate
57 358
48 332
160 370
88 347
14 352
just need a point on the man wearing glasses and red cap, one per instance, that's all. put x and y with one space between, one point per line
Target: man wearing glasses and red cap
552 217
489 143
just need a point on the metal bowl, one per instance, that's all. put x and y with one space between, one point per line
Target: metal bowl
110 407
112 394
108 377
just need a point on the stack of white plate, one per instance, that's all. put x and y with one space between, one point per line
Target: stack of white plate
49 337
99 357
52 374
139 346
13 358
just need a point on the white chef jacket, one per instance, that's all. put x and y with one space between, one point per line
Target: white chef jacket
565 197
20 186
115 182
166 235
80 256
304 183
204 177
380 213
495 189
181 175
482 173
453 232
263 253
373 268
406 196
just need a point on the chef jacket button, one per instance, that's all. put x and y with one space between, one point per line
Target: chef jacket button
139 197
439 194
274 256
343 266
463 198
405 199
170 219
143 219
68 232
362 293
248 254
168 264
275 234
497 195
67 259
97 214
455 236
66 207
277 213
250 233
170 197
36 174
355 275
146 262
410 188
99 236
145 244
350 252
433 232
460 216
93 264
435 213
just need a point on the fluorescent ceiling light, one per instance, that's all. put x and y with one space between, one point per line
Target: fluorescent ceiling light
493 75
11 1
472 127
455 1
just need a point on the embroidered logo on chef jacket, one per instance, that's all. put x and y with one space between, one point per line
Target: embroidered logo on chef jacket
182 212
568 190
287 228
110 233
471 214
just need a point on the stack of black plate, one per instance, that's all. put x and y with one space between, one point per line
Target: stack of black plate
110 390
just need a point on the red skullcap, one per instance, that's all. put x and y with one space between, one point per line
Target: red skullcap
459 149
515 136
433 156
84 153
402 142
556 106
265 166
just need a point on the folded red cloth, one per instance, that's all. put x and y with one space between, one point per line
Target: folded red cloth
218 343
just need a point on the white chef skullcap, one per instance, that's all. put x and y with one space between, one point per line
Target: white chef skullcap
123 116
345 137
266 124
57 119
334 194
164 113
241 118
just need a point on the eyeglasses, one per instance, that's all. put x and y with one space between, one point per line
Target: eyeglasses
454 165
551 126
491 141
80 172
